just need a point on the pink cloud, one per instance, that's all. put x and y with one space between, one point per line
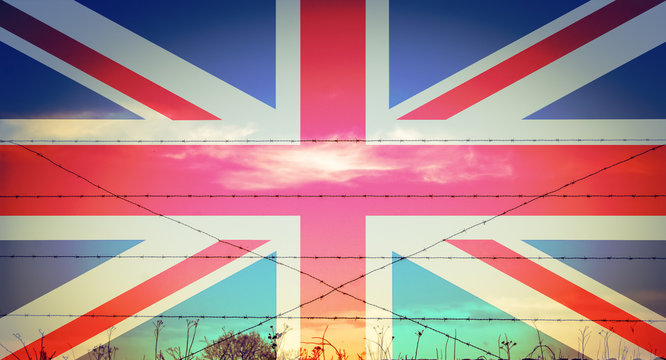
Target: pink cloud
463 165
281 167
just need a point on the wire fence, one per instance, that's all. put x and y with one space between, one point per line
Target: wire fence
334 318
330 257
356 140
316 196
339 288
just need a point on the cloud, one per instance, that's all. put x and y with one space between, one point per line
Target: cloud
401 133
60 128
128 129
275 167
266 167
464 165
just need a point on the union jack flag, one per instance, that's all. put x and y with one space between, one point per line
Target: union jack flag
359 169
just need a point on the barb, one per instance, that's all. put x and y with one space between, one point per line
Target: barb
338 318
505 212
338 288
299 141
333 257
172 219
344 196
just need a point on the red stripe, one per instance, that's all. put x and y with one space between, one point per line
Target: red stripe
332 106
333 69
99 66
168 169
138 298
566 293
531 59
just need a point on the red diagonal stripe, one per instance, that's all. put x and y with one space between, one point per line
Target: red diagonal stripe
99 66
531 59
139 298
566 293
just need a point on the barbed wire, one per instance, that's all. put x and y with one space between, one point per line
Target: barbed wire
207 234
338 288
297 141
505 212
335 318
344 196
329 257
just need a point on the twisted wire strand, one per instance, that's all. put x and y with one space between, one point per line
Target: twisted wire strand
299 141
339 287
332 257
340 318
344 196
207 234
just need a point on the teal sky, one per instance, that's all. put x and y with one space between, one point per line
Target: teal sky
419 293
231 296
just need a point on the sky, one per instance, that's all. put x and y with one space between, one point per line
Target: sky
234 61
233 296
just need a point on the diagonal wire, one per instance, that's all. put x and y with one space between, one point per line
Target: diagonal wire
179 222
339 287
505 212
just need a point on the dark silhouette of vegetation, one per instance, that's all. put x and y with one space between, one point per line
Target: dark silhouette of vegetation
582 340
319 351
252 346
505 345
42 355
176 352
540 347
104 351
159 325
418 338
230 346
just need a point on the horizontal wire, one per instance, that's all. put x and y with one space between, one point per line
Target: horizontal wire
334 289
503 213
271 317
331 257
466 229
338 288
210 235
297 141
453 196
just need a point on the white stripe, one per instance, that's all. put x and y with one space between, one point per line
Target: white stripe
118 275
78 76
388 233
242 115
500 116
143 57
569 73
